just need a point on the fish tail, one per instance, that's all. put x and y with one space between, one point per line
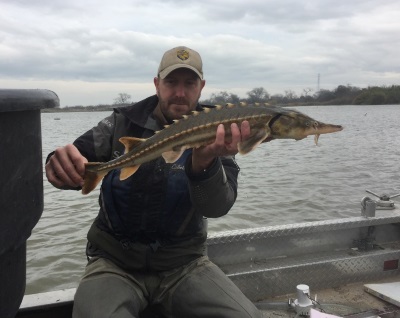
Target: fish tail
92 178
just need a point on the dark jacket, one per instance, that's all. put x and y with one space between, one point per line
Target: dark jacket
154 220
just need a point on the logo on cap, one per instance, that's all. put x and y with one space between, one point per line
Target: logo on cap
182 55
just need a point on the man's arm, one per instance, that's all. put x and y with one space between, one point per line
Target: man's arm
214 191
213 172
65 167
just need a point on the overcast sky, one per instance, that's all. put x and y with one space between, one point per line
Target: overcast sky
88 51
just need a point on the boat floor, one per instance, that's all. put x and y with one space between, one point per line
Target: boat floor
336 301
339 300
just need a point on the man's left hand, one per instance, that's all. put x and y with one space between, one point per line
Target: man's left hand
223 145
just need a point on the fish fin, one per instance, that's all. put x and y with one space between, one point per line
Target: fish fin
130 142
127 172
92 178
253 141
316 137
172 155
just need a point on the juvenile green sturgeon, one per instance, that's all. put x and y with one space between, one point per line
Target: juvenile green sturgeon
199 129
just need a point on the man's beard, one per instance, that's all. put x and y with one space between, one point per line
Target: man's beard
171 115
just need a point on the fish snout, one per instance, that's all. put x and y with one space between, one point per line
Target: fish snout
328 128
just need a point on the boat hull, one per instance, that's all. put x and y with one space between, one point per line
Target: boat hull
266 263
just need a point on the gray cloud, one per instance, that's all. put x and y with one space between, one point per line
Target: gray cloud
279 45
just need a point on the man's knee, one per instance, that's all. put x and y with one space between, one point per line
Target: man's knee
106 297
210 293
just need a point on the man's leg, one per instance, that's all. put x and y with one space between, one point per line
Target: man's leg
105 292
205 291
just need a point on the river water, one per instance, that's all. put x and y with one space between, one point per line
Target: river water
281 182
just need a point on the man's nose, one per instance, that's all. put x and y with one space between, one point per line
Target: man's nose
180 90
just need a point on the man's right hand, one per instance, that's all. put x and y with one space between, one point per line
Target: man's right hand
66 167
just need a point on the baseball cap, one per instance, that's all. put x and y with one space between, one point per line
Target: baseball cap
180 57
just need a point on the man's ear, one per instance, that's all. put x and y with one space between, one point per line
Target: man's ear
156 82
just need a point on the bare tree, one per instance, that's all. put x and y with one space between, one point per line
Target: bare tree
307 91
123 98
257 95
222 98
290 95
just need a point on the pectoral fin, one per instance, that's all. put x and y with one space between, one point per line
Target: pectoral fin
173 155
127 172
253 141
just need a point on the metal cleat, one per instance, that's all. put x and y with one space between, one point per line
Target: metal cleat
384 201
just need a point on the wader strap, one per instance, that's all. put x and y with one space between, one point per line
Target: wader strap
185 222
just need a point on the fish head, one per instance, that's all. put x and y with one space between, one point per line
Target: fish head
295 125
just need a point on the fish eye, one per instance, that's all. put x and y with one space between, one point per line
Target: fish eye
308 124
315 124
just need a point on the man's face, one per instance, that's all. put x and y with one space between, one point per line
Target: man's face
178 93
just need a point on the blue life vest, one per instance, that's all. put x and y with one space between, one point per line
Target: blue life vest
152 204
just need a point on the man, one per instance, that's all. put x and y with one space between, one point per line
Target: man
147 244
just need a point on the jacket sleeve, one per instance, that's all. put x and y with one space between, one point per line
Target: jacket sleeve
214 191
96 144
100 135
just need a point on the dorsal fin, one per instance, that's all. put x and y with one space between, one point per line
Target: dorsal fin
130 142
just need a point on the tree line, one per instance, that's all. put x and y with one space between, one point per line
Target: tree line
341 95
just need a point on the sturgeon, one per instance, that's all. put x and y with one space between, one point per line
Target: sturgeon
199 129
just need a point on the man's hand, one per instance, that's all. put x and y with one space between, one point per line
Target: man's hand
66 168
203 157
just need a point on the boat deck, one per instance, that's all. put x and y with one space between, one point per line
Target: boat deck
339 301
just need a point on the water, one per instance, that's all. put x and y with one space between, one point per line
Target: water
281 182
